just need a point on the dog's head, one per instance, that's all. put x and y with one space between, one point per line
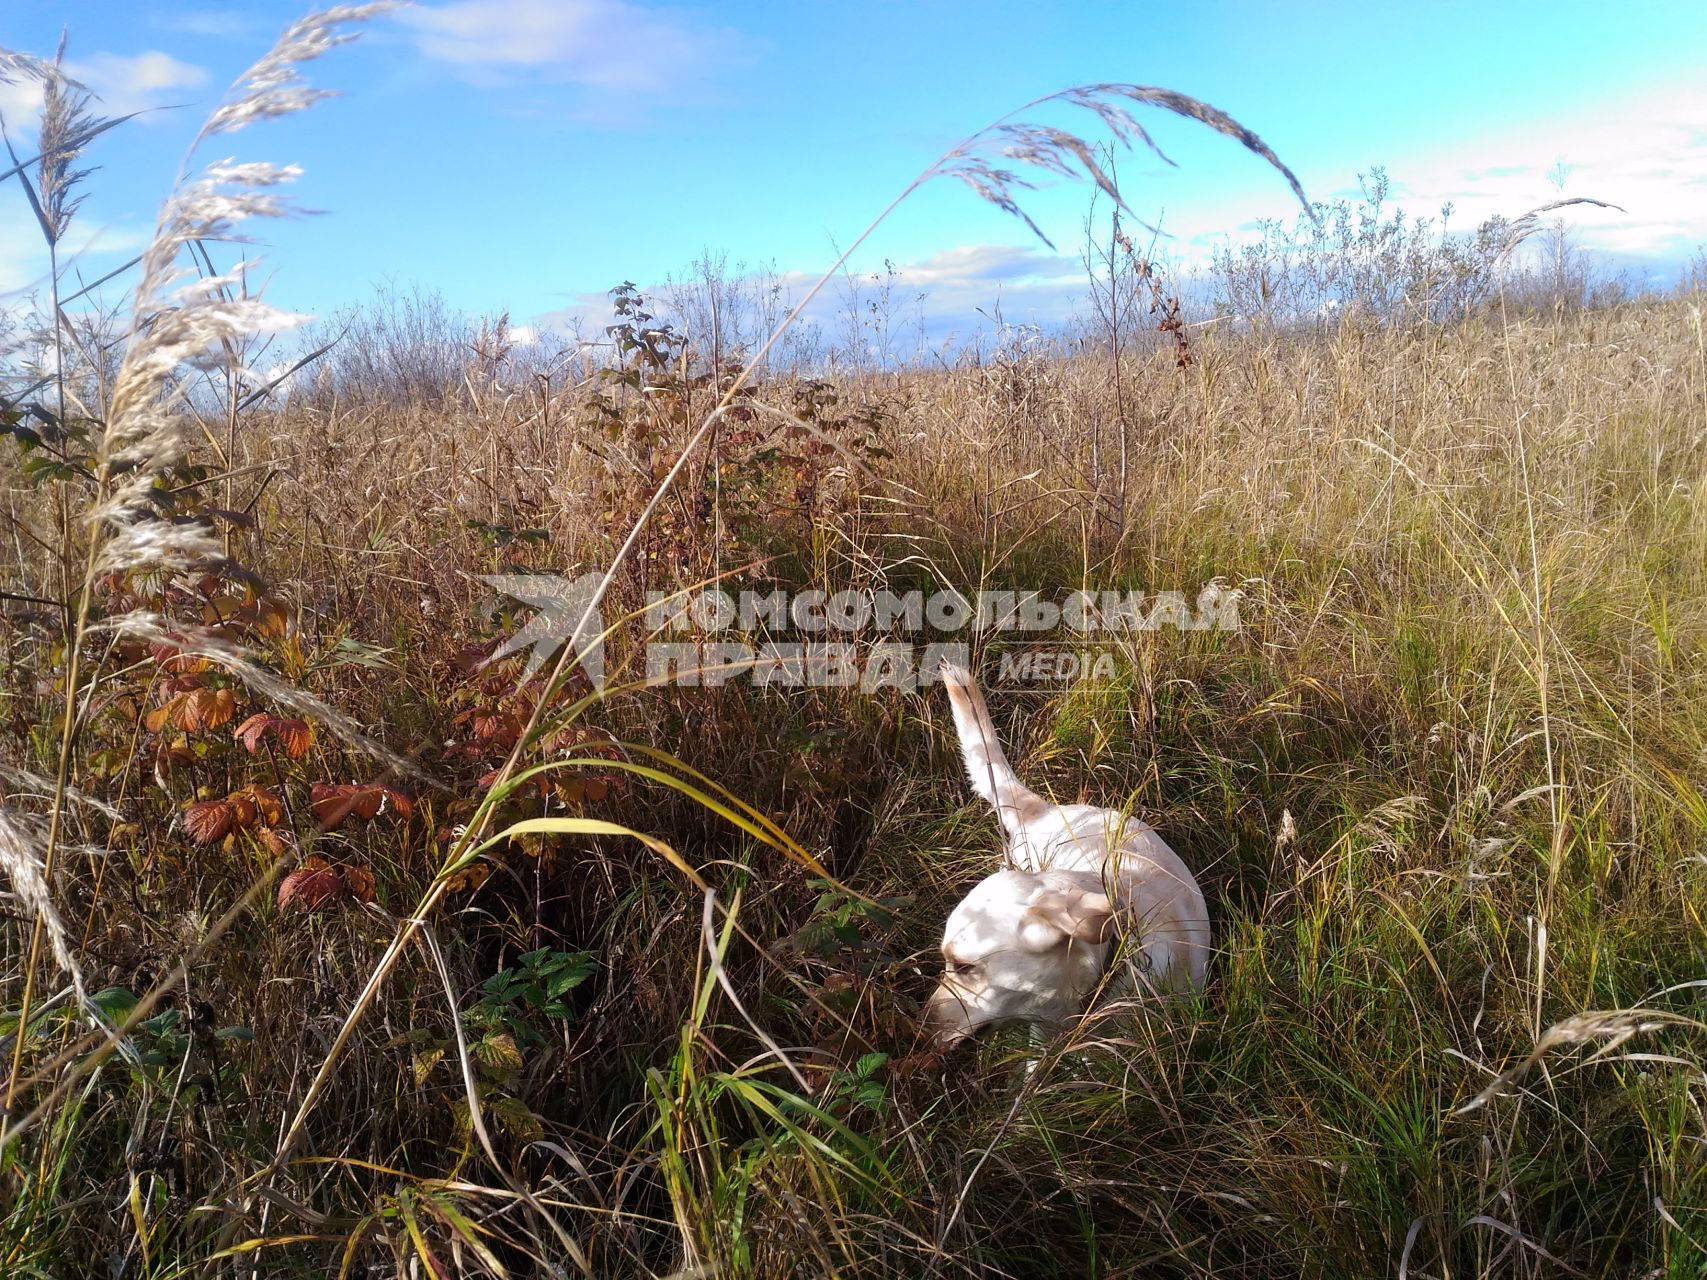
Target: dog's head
1021 946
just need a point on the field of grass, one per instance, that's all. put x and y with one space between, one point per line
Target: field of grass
1445 787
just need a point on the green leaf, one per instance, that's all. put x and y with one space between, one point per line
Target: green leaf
498 1053
352 652
115 1002
424 1064
868 1063
160 1023
570 978
514 1115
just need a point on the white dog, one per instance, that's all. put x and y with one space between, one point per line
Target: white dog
1032 942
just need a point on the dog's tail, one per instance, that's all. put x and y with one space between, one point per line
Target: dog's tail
987 767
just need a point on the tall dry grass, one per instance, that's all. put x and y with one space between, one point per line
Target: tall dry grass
1444 786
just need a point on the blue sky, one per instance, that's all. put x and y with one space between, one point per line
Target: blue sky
530 154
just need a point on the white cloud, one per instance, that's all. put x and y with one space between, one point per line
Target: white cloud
962 290
24 260
121 83
608 45
21 259
19 103
974 265
950 294
137 82
217 24
1647 153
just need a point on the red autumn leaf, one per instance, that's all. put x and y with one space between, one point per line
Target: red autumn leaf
243 811
472 657
296 736
276 842
208 820
496 729
589 788
169 756
169 654
193 709
335 802
310 887
539 783
156 719
267 805
208 709
250 732
402 804
360 882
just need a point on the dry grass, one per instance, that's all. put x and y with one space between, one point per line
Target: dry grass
1445 788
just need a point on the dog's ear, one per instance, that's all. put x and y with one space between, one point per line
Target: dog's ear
1057 915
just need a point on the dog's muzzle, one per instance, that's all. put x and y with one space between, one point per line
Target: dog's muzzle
947 1017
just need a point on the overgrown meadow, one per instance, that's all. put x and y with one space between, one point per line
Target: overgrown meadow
334 942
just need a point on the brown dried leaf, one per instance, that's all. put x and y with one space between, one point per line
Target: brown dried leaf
469 878
207 821
268 807
276 842
360 882
156 719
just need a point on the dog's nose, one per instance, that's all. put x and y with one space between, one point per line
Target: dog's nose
945 1019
